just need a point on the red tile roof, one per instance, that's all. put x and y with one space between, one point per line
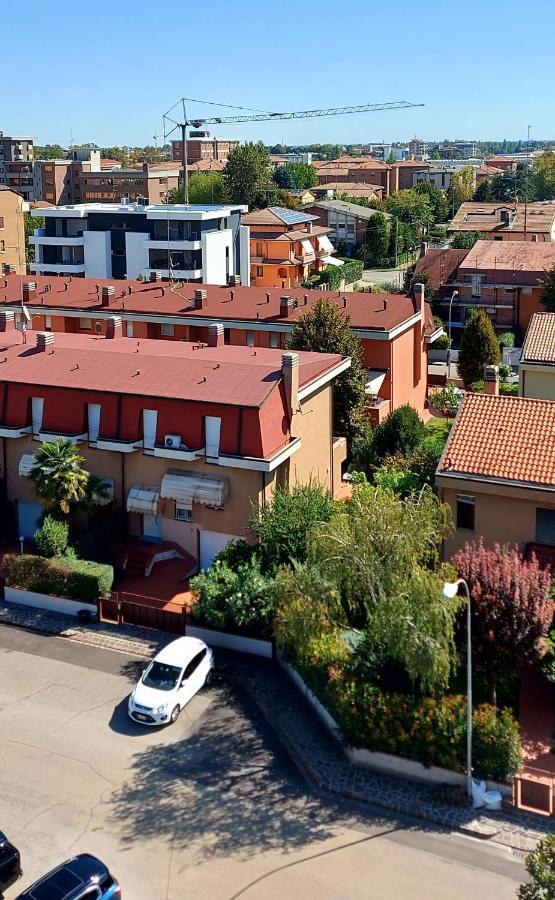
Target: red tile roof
249 304
507 438
441 265
512 256
236 376
539 343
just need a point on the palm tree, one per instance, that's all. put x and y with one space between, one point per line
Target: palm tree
57 475
97 493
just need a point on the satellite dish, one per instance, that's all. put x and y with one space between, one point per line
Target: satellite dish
25 313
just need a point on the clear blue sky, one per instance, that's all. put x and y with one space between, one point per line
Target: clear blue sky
108 70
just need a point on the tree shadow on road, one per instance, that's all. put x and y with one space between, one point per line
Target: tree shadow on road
228 788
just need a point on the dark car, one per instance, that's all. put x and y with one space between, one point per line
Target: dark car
82 878
10 865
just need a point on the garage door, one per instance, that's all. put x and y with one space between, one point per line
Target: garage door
28 516
211 542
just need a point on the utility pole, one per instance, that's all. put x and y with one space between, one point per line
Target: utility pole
526 184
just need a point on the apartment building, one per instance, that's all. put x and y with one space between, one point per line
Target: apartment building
187 436
16 164
536 369
503 278
152 183
418 148
395 177
12 232
286 247
358 190
497 473
395 331
201 147
110 240
506 221
345 221
506 163
58 181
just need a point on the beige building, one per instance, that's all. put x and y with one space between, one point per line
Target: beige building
12 232
497 473
536 373
506 221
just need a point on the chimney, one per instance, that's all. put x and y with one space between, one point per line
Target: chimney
7 320
305 298
199 299
9 269
113 327
491 381
268 296
44 339
423 248
216 334
285 304
232 295
420 298
385 303
534 238
107 292
290 372
309 227
29 291
155 276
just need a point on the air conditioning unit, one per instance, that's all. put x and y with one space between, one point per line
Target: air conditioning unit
172 441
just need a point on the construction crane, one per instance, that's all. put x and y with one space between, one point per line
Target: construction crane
259 115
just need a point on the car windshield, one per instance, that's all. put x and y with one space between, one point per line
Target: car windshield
161 676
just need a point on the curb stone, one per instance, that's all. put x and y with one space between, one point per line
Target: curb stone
313 750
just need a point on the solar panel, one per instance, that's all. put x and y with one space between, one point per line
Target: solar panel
291 216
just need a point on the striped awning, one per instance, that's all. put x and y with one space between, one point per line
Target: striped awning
188 487
324 243
332 261
26 463
107 495
143 498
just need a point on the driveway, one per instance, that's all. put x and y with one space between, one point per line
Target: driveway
212 807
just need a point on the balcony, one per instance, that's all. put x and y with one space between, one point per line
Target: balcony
42 268
174 245
117 445
186 454
48 437
44 241
15 431
185 274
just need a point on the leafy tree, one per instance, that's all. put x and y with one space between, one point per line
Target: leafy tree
363 453
52 537
381 555
437 199
283 525
547 292
248 175
411 207
373 251
461 188
57 475
540 865
49 151
465 240
479 348
31 222
543 176
296 176
411 280
511 607
401 432
325 329
208 187
484 192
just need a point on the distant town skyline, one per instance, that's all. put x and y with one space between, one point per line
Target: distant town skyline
460 65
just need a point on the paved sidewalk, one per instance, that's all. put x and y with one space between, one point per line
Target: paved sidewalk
313 749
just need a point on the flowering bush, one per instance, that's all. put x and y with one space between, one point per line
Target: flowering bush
233 598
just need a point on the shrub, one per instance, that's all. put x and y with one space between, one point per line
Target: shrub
350 272
76 579
479 348
401 432
443 342
400 481
105 537
540 865
504 371
507 339
446 401
235 553
508 390
51 539
240 599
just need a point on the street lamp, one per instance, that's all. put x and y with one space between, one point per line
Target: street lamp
453 295
450 591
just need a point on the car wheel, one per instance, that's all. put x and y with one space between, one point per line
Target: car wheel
175 714
209 678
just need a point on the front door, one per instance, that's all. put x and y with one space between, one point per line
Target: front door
152 527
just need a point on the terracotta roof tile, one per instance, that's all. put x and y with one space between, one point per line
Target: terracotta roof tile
441 265
512 256
539 343
508 438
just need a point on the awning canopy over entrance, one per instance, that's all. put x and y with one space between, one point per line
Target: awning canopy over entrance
143 498
26 464
188 487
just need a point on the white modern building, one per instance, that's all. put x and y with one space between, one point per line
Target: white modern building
207 244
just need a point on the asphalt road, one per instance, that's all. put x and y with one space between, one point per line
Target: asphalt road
212 807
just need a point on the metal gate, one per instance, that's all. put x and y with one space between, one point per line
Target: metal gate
533 791
122 608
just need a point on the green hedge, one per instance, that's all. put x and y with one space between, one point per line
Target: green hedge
350 272
429 730
76 579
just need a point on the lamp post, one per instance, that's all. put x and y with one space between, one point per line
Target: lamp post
450 591
453 295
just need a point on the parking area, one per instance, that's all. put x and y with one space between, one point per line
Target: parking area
211 807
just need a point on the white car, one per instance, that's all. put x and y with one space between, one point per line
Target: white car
170 680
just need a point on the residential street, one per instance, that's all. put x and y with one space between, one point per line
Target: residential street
212 807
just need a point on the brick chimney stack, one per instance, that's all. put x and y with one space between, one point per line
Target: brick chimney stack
285 306
29 289
7 320
199 300
107 292
113 327
491 381
216 335
290 371
44 339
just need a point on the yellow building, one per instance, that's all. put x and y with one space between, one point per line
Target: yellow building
536 371
12 232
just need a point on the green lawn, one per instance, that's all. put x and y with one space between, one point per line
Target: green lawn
439 428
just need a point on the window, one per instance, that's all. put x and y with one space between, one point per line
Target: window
259 250
259 271
465 512
227 335
2 222
273 339
194 664
85 323
212 428
183 513
48 323
250 338
130 329
545 526
167 330
2 246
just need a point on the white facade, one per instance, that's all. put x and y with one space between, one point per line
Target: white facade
105 240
